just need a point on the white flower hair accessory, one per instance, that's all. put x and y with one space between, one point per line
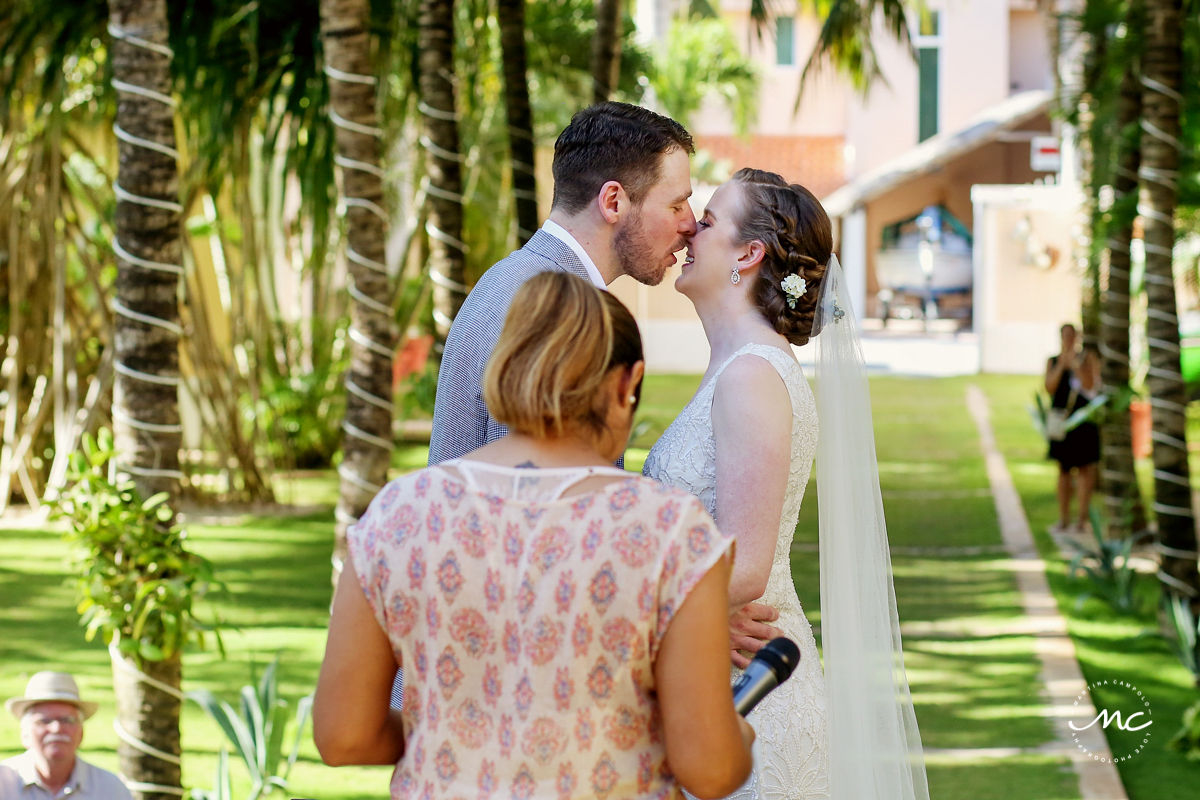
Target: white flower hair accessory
794 287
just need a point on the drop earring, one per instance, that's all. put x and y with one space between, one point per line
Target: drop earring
735 277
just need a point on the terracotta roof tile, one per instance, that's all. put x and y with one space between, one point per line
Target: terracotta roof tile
814 161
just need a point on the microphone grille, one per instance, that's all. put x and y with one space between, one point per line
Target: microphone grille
782 655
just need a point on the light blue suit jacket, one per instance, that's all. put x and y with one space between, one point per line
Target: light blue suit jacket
461 421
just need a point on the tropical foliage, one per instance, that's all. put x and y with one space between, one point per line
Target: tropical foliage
138 584
701 60
1108 567
1127 56
139 587
264 312
256 733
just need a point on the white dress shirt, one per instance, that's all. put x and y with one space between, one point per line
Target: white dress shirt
564 236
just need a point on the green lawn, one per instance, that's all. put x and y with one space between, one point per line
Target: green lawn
974 686
1109 646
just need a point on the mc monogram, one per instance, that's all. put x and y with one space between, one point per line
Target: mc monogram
1125 708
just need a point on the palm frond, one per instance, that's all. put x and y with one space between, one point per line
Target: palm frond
846 40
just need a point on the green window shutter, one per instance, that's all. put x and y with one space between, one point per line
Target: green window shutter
927 86
785 41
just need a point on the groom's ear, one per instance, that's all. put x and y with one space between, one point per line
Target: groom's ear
613 201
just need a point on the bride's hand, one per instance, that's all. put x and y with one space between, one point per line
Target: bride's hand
748 631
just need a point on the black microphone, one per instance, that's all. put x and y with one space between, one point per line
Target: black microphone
770 667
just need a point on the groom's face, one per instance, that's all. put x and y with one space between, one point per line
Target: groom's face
646 241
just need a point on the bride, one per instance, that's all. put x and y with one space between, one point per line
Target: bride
762 278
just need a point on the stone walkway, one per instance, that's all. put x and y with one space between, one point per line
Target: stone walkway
1062 681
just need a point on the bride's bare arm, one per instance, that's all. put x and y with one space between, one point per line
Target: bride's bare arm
752 430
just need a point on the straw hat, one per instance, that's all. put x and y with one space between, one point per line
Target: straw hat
50 687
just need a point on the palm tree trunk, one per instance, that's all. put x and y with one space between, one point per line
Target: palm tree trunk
367 447
1159 173
511 16
149 714
606 50
1124 510
1091 51
447 263
146 326
1075 68
146 334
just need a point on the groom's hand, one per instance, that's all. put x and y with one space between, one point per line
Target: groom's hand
749 631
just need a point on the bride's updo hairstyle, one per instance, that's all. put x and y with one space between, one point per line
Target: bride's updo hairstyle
798 240
560 340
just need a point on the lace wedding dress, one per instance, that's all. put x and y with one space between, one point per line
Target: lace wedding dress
790 751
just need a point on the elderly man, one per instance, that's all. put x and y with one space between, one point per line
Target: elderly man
52 715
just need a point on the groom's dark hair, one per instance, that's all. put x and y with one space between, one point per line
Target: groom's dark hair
613 142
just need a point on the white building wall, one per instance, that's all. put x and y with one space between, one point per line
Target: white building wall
822 108
974 68
973 74
1029 64
1025 284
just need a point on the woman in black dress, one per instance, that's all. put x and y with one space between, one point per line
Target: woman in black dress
1072 380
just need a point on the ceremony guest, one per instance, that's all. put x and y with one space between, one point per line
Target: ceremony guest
561 622
51 714
1072 380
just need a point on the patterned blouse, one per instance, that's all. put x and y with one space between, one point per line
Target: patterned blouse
527 619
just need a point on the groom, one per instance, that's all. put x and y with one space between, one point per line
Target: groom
621 187
622 181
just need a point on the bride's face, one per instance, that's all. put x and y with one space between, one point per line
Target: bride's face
714 249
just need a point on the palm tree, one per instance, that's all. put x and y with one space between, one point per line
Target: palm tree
253 119
146 306
436 88
1124 511
701 58
846 38
146 345
1091 51
1159 173
511 16
606 50
367 447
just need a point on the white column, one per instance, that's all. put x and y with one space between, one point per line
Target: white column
853 255
981 286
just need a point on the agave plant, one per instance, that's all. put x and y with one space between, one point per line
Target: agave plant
256 734
222 784
1106 565
1185 627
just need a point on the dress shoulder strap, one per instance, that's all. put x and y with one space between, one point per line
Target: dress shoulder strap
781 361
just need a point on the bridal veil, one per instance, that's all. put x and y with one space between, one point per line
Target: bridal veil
874 746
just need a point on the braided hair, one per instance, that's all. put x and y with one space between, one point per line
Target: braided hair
797 239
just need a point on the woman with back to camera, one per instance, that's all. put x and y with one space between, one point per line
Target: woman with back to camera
561 623
762 278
